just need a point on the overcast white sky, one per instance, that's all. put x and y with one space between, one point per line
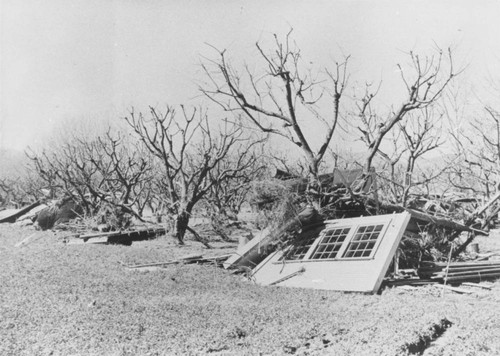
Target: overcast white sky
63 59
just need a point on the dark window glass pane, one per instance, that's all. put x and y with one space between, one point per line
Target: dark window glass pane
330 244
364 241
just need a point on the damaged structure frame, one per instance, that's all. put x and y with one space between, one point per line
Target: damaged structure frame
351 254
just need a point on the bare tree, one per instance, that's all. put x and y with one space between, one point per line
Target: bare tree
284 99
104 169
20 190
246 166
223 202
190 154
424 86
411 139
478 148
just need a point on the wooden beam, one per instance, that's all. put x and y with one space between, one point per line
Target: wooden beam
450 224
454 289
13 217
482 209
134 234
474 277
458 264
476 285
282 175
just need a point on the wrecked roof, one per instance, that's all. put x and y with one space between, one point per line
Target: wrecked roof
344 254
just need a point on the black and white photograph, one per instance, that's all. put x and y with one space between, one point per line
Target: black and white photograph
232 177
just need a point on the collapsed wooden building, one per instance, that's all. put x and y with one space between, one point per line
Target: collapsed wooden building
346 254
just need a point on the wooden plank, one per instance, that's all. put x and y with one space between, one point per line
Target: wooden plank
480 271
345 178
474 277
458 269
282 175
99 234
463 264
472 268
180 260
12 217
454 289
444 222
96 241
476 285
486 256
220 258
408 282
134 235
482 209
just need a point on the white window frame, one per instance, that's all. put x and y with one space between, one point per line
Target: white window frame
353 228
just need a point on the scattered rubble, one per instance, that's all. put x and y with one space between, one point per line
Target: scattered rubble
349 244
196 259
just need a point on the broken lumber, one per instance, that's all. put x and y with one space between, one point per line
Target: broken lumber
282 175
126 237
450 224
258 248
408 282
476 285
454 289
13 217
483 208
216 259
346 178
486 256
474 277
156 264
187 259
431 265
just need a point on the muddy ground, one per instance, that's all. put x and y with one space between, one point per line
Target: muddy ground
63 299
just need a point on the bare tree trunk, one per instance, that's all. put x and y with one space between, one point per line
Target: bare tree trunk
181 225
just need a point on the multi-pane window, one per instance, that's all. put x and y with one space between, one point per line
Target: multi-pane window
337 243
298 251
363 241
330 244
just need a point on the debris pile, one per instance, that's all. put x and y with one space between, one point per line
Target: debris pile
59 212
65 214
335 235
333 192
